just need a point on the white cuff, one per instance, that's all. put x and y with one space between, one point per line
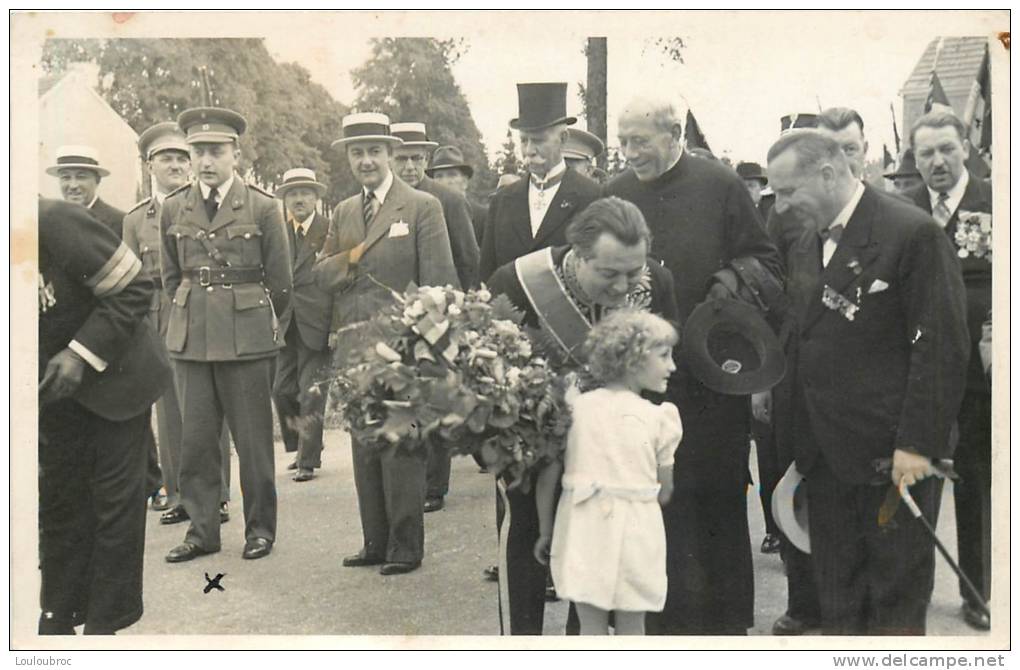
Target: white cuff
97 363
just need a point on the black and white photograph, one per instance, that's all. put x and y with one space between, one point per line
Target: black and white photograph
418 329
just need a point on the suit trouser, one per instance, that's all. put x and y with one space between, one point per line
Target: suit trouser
153 474
300 411
769 473
525 576
240 391
91 515
437 472
391 496
871 580
972 494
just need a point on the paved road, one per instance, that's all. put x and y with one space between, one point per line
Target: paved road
302 589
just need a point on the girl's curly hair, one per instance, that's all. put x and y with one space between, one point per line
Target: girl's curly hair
619 342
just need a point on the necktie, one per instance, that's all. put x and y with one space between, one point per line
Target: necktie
941 211
368 208
211 205
833 233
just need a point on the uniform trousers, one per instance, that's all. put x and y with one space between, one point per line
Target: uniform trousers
299 369
239 391
91 516
871 580
972 494
391 497
525 577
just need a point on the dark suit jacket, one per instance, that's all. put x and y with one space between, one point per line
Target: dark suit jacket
508 229
108 215
479 215
310 308
893 377
463 244
977 272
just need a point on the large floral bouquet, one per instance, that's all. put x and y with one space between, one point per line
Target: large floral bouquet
974 235
456 369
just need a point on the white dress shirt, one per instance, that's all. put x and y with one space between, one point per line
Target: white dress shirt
829 248
540 199
955 194
221 190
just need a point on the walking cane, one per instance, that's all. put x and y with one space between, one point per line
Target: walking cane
916 511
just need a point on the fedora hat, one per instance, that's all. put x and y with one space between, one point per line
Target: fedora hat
366 127
300 177
211 124
165 136
752 171
731 349
907 166
541 105
790 508
412 135
582 144
77 156
449 157
792 121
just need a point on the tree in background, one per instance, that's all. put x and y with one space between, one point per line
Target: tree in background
291 120
411 79
508 162
594 91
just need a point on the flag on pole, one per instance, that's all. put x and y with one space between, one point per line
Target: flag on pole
895 130
977 117
936 95
693 136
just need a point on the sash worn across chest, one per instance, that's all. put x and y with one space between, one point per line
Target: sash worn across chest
557 313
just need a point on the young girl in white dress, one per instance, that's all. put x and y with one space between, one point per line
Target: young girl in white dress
608 544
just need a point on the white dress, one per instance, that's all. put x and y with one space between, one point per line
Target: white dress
609 543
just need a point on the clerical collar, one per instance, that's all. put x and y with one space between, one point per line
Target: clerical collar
551 177
382 189
222 190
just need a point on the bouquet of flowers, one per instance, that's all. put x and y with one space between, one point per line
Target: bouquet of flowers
974 235
457 369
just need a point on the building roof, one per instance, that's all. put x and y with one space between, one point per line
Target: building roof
958 65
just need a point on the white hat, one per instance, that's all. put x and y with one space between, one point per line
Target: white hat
790 508
300 177
413 135
366 126
77 156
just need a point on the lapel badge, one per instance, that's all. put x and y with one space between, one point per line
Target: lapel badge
837 302
564 204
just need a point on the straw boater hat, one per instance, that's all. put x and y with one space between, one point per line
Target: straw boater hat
582 144
366 126
211 124
790 508
413 135
77 156
449 157
752 171
295 177
166 136
541 105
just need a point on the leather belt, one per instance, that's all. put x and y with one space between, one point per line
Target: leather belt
207 276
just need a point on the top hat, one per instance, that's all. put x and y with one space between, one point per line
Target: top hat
541 106
300 177
449 157
77 156
211 124
752 171
791 121
165 136
366 127
582 144
412 135
907 166
790 508
731 349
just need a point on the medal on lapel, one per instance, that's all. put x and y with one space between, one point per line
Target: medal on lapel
838 302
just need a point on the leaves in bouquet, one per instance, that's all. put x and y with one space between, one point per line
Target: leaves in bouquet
503 308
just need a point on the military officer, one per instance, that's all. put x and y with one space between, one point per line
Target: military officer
580 149
227 266
298 388
79 171
168 158
409 161
449 169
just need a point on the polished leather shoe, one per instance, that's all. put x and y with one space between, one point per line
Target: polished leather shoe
788 625
360 560
185 551
159 502
975 618
224 513
292 466
304 475
399 568
433 504
51 624
770 545
491 573
257 548
175 514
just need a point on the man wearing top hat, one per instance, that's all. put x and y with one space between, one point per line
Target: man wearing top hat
79 172
379 241
409 161
449 169
226 266
702 220
580 150
533 213
303 364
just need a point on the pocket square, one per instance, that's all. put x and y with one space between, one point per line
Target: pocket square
399 229
877 286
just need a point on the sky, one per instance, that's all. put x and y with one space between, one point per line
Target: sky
742 71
